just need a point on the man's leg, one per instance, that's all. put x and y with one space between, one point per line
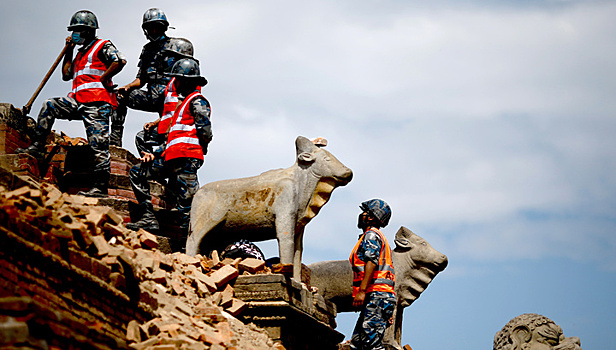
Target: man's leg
184 183
372 322
148 101
96 118
53 108
139 176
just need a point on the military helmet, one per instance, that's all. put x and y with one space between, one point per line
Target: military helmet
154 15
180 46
83 18
379 209
188 68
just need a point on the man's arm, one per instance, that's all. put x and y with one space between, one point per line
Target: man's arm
359 299
67 63
114 68
201 111
113 59
369 252
135 84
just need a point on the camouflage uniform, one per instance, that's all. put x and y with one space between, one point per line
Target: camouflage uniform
95 116
181 173
242 249
378 307
153 63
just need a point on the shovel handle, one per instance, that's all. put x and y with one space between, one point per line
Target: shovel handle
28 105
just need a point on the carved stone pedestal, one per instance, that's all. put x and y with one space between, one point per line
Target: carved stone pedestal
289 312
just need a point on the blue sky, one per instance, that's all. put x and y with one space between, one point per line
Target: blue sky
488 126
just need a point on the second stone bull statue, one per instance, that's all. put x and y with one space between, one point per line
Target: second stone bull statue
416 263
276 204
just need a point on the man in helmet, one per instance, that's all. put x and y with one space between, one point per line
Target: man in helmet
92 98
187 132
157 59
373 277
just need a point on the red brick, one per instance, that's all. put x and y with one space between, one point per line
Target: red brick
223 275
237 306
251 265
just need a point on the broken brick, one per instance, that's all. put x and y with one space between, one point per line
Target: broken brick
237 306
224 275
101 245
251 265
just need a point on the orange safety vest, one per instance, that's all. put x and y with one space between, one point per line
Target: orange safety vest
87 71
383 278
171 102
182 141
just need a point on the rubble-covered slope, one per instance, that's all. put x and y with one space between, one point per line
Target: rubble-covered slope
73 277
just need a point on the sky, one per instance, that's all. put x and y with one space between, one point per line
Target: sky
488 126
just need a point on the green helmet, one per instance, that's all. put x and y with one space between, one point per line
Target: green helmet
154 15
179 46
83 18
188 68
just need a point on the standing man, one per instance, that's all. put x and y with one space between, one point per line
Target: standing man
153 66
373 277
92 98
188 133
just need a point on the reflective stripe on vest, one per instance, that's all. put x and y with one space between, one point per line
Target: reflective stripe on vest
182 141
88 69
171 102
383 278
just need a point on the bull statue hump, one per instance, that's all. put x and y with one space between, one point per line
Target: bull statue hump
276 204
416 263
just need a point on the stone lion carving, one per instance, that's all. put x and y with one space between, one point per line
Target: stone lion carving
533 332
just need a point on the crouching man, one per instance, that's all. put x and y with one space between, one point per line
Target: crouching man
188 133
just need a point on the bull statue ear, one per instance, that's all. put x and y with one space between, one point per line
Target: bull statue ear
403 238
305 157
520 335
304 149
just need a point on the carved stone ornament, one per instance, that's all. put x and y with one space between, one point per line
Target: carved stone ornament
533 332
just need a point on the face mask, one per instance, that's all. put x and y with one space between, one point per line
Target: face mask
151 36
77 38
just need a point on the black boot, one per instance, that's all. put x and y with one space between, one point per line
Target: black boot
99 189
148 221
94 192
36 149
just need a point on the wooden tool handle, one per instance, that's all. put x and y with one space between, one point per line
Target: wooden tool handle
28 105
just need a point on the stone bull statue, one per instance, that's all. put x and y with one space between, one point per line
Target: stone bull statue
276 204
416 263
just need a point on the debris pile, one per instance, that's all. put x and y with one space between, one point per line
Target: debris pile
187 302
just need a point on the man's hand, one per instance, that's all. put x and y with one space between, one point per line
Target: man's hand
122 90
359 299
147 157
69 42
390 321
149 125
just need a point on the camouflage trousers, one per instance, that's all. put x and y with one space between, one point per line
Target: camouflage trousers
372 322
150 100
95 117
181 183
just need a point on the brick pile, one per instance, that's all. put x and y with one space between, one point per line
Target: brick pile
129 293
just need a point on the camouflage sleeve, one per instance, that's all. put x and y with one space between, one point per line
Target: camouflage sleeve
370 248
140 71
200 109
109 54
